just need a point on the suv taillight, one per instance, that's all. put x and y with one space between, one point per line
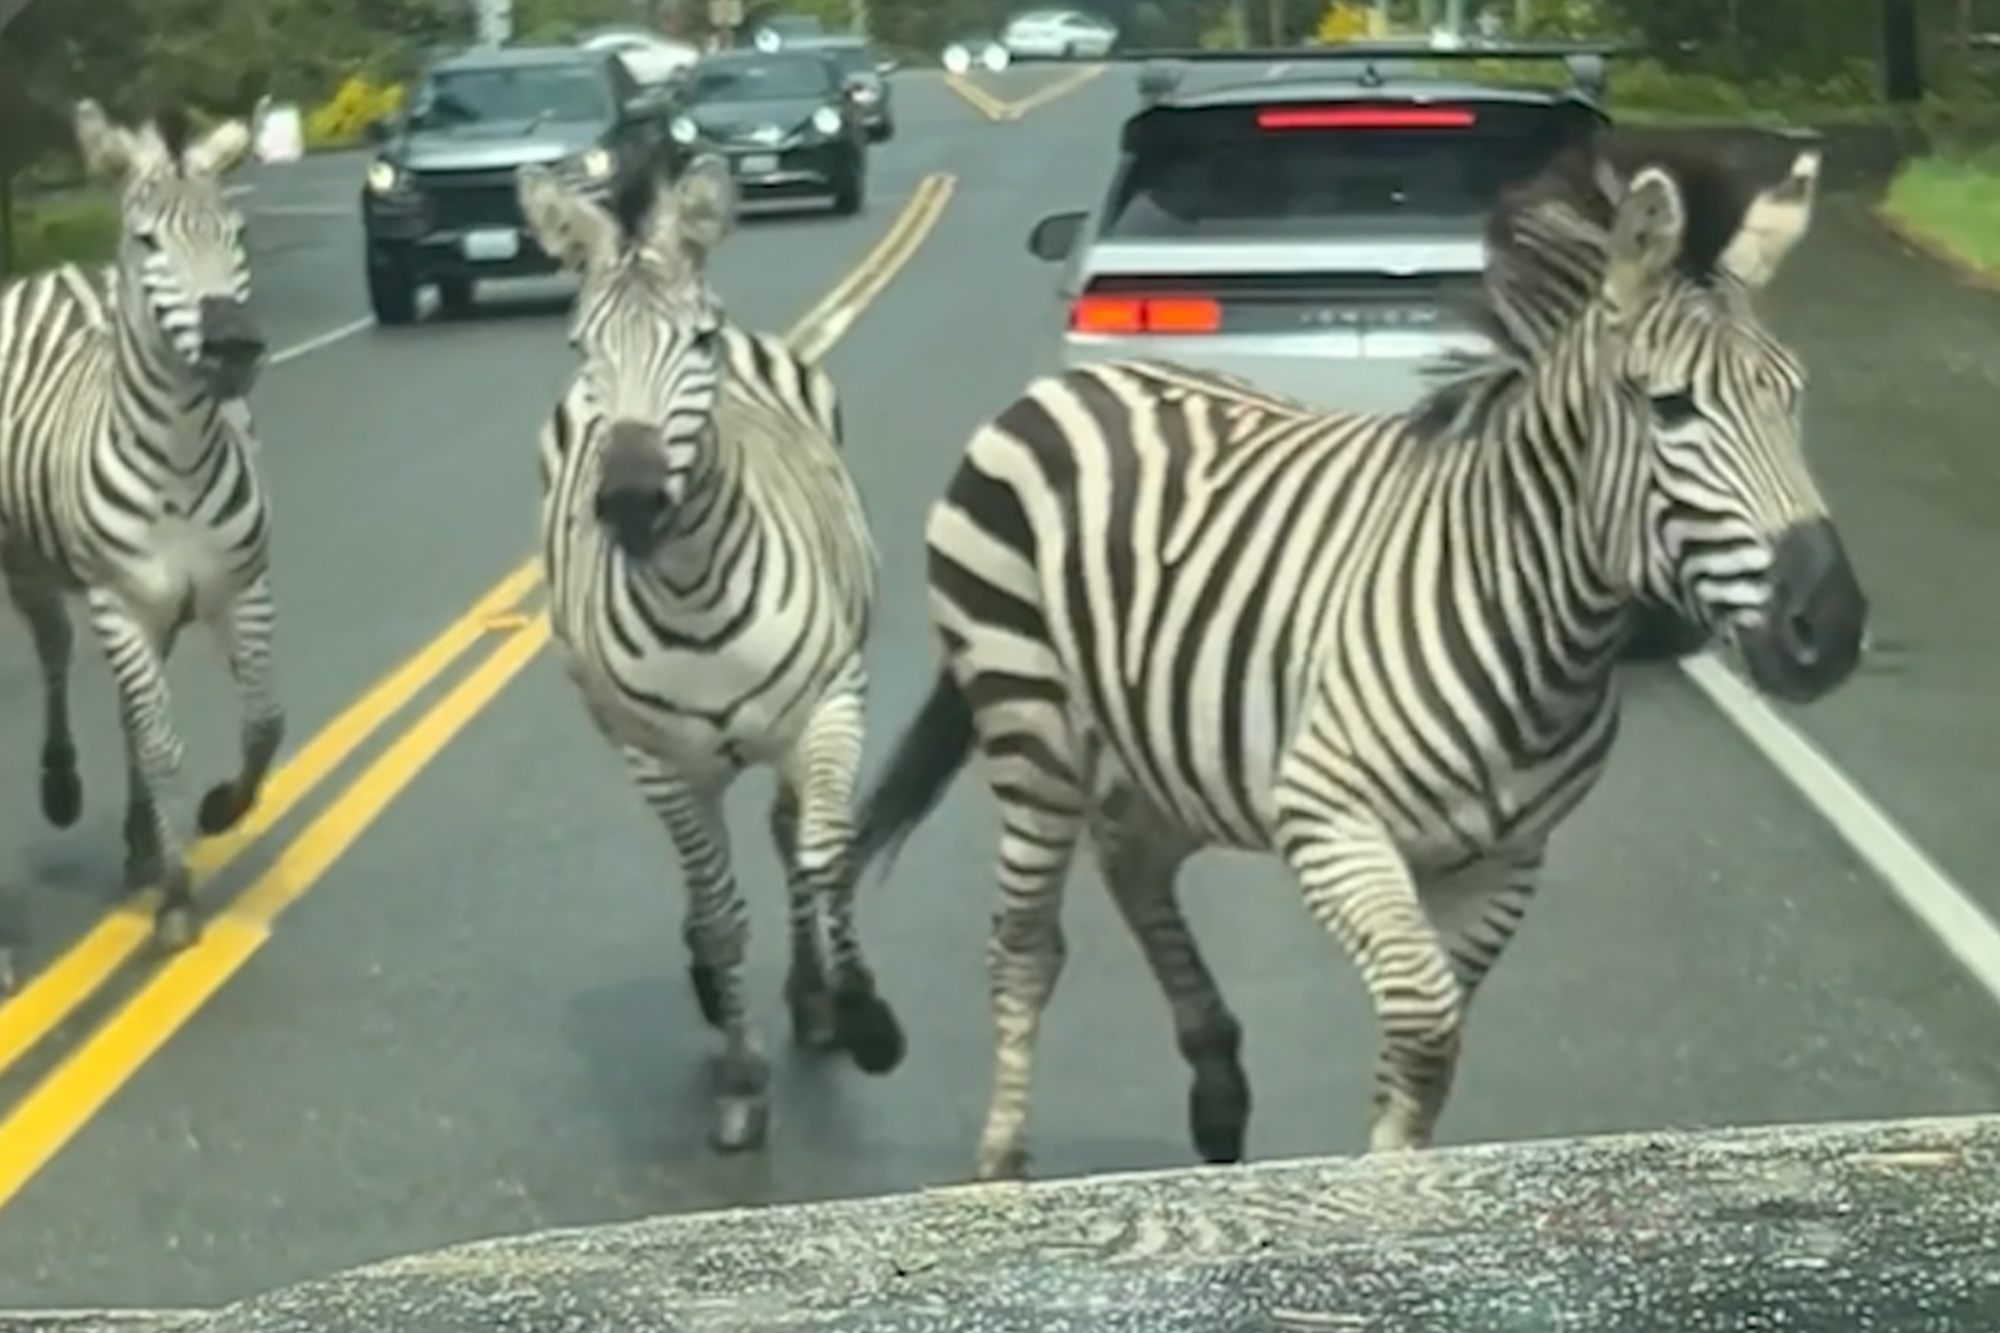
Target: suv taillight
1121 313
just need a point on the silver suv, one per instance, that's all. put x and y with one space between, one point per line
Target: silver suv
1306 224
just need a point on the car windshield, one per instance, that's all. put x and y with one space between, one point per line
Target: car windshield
850 59
1232 171
574 92
772 79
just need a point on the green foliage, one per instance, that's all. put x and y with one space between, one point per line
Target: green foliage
557 21
79 229
1953 201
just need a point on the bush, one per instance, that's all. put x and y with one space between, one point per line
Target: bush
343 119
78 229
1645 90
1345 21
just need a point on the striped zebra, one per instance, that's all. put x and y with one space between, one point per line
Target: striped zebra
711 580
1180 614
128 476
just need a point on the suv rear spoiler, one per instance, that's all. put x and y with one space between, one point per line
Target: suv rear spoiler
1161 72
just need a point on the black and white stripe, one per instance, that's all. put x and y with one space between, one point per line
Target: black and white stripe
1178 614
711 582
128 475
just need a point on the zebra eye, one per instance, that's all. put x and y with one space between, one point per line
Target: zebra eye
1675 409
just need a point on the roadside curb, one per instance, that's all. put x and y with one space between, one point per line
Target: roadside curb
1968 273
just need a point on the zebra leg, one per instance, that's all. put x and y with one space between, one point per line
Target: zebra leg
717 931
1475 912
145 863
807 994
1139 857
822 769
40 602
245 633
1357 885
138 658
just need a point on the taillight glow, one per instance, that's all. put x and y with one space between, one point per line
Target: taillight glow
1120 314
1366 118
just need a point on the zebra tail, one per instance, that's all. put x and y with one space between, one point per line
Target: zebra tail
932 750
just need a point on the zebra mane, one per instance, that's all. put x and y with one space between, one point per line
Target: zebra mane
175 126
1547 243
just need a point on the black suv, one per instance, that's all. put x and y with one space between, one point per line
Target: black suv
787 122
439 204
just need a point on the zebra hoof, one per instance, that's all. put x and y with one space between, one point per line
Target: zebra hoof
62 794
175 927
1007 1164
143 871
868 1029
222 808
815 1024
741 1123
1219 1114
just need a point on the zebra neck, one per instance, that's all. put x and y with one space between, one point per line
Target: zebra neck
691 571
159 407
1573 464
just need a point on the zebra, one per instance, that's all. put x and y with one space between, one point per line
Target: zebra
1180 614
711 581
128 476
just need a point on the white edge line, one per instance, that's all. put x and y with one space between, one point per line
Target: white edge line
324 340
1965 931
237 191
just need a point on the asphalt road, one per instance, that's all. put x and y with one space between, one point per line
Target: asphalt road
477 1021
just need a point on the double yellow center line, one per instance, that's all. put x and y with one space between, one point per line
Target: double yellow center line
993 108
62 1103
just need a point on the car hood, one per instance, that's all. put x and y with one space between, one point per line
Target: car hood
724 120
495 144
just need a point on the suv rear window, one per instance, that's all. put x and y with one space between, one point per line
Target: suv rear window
1292 170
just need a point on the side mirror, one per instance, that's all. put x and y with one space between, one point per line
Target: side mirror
377 132
1055 236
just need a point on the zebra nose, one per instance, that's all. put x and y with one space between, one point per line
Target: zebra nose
1817 617
632 488
228 330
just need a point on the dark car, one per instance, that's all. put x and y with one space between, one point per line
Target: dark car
866 77
784 122
438 206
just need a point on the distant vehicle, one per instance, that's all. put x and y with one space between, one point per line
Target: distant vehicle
867 80
780 29
654 60
1058 34
782 120
960 56
1312 233
438 205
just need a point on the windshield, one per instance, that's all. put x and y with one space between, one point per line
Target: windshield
1218 171
850 59
526 92
776 78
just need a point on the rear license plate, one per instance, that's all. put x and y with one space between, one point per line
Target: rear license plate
486 247
757 164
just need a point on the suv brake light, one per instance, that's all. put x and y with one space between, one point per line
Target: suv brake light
1366 118
1119 313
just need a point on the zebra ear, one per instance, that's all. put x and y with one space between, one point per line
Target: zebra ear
704 206
110 152
219 150
572 230
1645 241
1776 221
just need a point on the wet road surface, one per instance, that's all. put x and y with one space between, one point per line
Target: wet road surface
477 1021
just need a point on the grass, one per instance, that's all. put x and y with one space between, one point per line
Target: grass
79 228
1953 202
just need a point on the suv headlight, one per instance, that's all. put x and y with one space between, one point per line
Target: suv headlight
826 120
596 164
684 130
383 177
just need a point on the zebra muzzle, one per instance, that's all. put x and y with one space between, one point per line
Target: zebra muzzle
632 501
232 347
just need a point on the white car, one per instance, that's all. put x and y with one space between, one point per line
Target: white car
1058 34
653 59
